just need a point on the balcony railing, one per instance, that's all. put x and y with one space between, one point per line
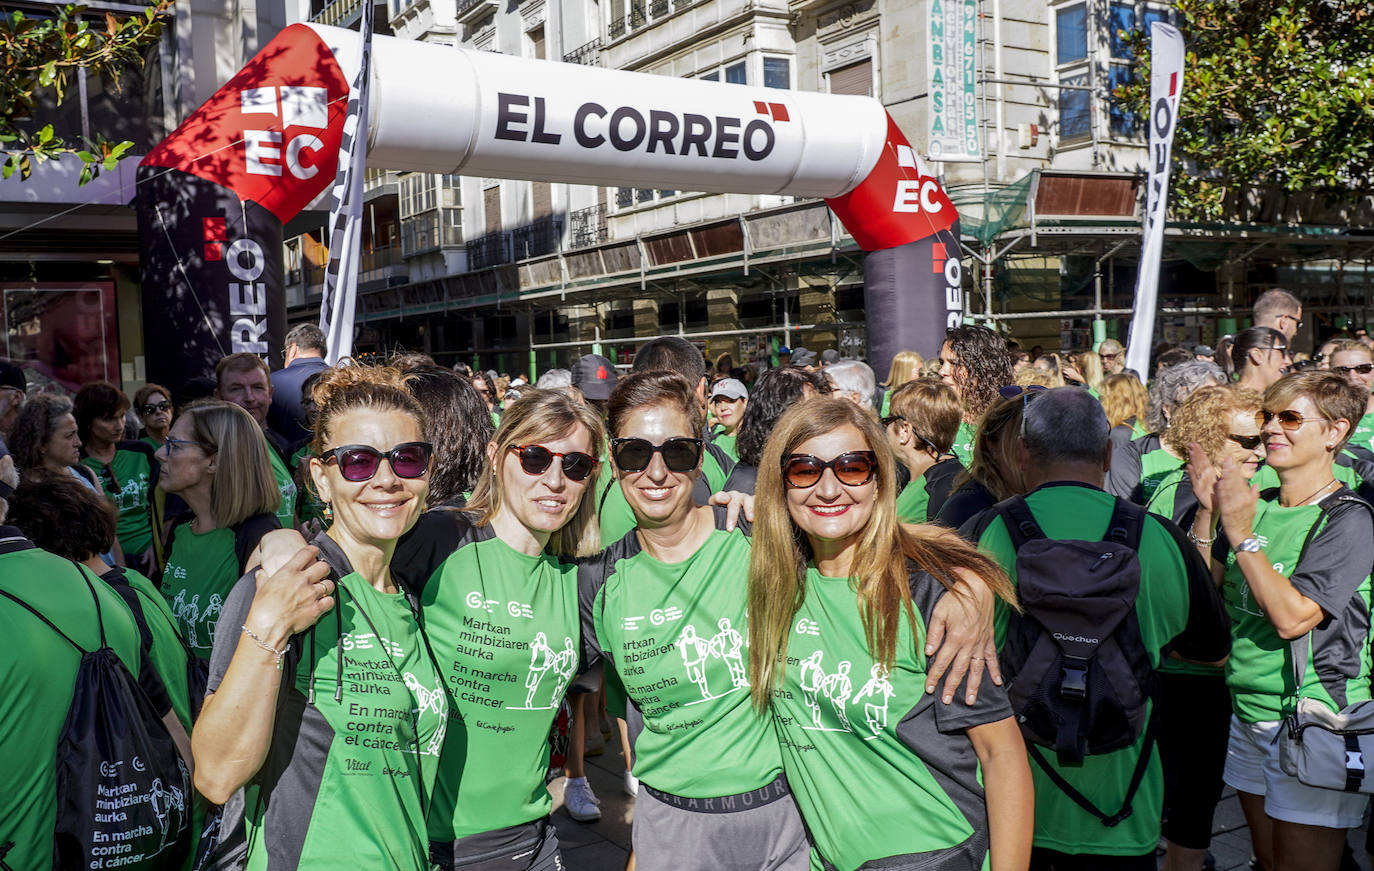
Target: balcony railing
588 226
617 28
658 8
470 11
339 13
492 249
536 239
587 55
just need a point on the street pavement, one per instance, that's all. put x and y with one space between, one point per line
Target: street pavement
605 845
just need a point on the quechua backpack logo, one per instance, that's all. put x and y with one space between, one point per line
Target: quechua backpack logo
1080 679
123 792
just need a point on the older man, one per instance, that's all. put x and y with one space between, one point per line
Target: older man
1281 310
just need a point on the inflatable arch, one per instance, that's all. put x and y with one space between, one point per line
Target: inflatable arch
212 197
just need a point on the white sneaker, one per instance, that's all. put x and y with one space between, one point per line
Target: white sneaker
581 802
630 784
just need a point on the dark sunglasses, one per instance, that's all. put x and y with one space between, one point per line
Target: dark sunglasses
1289 419
635 455
360 462
891 419
536 459
1249 442
852 468
1363 369
154 408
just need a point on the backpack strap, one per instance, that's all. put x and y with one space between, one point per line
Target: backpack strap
1020 522
1142 764
1126 525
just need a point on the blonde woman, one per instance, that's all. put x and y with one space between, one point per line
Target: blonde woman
1087 369
839 592
1125 401
215 459
906 366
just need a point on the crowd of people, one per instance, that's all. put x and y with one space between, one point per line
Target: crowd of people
1000 609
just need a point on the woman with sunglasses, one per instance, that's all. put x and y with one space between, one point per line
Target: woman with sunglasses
1260 357
1294 566
995 472
666 607
840 594
499 606
1221 421
215 459
334 722
127 469
1354 362
153 405
921 428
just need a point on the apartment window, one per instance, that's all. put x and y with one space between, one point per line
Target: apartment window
777 72
536 38
734 74
1075 109
1071 33
419 193
491 207
1073 69
1123 18
856 79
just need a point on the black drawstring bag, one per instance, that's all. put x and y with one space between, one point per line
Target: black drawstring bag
123 792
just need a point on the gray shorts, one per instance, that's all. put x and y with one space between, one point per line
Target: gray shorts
530 847
767 837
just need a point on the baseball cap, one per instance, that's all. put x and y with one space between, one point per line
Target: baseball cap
730 388
1203 351
802 356
594 376
830 355
12 376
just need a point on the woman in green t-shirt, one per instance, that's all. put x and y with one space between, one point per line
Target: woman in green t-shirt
1295 570
153 405
840 595
333 723
127 468
921 430
215 459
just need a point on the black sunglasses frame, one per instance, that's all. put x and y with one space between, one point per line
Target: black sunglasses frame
1362 368
868 457
618 447
573 461
1248 442
337 454
146 410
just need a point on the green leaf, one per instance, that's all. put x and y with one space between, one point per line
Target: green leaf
48 73
10 166
45 134
109 163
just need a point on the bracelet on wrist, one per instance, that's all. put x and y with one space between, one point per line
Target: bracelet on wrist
1205 542
278 654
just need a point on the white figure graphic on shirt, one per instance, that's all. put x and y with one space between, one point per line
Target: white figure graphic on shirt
838 689
564 666
211 617
429 701
189 614
878 688
695 650
164 803
541 660
812 681
728 644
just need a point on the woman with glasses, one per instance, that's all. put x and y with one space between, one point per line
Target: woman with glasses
666 607
153 405
1354 362
1113 357
1222 422
840 594
921 430
1294 566
1260 356
327 705
215 459
995 472
127 470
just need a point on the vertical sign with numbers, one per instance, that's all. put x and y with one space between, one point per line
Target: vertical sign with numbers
952 42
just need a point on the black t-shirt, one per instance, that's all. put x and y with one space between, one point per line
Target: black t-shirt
939 480
964 504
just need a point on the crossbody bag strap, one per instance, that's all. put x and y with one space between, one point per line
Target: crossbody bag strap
35 612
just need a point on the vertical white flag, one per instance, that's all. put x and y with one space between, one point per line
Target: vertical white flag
1166 87
346 212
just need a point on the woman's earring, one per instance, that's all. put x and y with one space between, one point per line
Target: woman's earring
328 512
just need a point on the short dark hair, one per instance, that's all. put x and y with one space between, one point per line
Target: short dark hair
653 388
1255 339
774 392
459 427
63 516
240 362
1066 424
96 400
307 337
671 354
146 392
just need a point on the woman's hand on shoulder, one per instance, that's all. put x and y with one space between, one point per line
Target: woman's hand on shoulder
735 502
291 599
961 637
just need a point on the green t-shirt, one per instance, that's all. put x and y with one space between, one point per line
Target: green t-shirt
201 570
1175 592
1363 436
727 443
676 636
37 677
505 628
350 779
1173 498
879 767
963 442
1155 466
614 515
913 502
126 485
286 511
1333 571
167 654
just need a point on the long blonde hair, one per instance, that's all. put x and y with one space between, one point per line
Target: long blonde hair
1090 367
537 416
243 485
906 365
1123 398
880 573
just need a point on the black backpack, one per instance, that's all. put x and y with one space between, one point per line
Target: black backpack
1080 679
122 789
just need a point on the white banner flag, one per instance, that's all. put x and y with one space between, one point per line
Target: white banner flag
1166 87
346 212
